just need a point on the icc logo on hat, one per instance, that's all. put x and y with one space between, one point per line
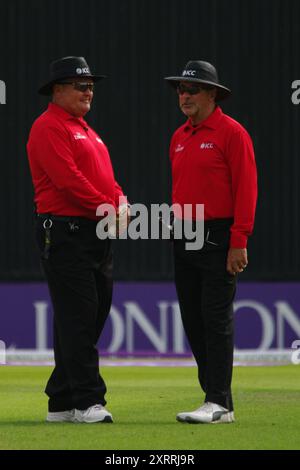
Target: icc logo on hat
79 70
189 73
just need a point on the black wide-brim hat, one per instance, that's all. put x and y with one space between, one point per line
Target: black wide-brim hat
199 71
68 67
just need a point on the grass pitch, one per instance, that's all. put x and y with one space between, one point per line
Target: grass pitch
144 402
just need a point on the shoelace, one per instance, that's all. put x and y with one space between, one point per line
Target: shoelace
206 407
97 407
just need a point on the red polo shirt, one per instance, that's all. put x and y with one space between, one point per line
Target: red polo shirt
213 164
70 166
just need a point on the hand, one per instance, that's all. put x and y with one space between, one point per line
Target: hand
237 260
123 218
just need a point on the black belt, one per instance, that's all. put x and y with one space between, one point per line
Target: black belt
66 218
73 223
209 226
218 223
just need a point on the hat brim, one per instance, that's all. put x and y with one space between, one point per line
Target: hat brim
222 91
46 89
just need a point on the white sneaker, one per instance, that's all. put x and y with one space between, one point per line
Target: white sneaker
207 413
93 414
60 416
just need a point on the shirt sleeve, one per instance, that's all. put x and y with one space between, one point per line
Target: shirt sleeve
54 154
242 166
118 194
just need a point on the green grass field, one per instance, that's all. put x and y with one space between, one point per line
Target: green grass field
144 402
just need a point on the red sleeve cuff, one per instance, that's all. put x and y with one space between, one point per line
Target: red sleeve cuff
238 240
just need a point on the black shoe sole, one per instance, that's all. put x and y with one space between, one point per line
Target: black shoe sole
107 419
188 420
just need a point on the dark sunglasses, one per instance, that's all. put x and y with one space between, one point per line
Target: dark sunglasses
80 86
190 89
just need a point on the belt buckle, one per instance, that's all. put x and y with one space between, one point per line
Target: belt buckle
47 224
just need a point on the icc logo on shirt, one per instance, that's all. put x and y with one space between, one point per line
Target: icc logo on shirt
207 145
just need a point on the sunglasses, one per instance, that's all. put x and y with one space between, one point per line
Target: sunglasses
80 86
190 89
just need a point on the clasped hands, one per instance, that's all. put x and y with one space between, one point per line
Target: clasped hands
121 221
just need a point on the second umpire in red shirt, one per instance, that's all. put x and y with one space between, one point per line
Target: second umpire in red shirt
213 163
72 175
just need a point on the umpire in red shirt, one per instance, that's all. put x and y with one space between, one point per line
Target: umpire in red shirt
213 163
72 175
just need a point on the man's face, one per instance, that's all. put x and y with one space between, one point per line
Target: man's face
194 101
75 101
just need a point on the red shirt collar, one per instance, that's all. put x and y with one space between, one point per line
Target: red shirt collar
211 122
64 115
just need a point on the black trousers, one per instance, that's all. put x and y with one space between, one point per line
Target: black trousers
78 268
205 293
